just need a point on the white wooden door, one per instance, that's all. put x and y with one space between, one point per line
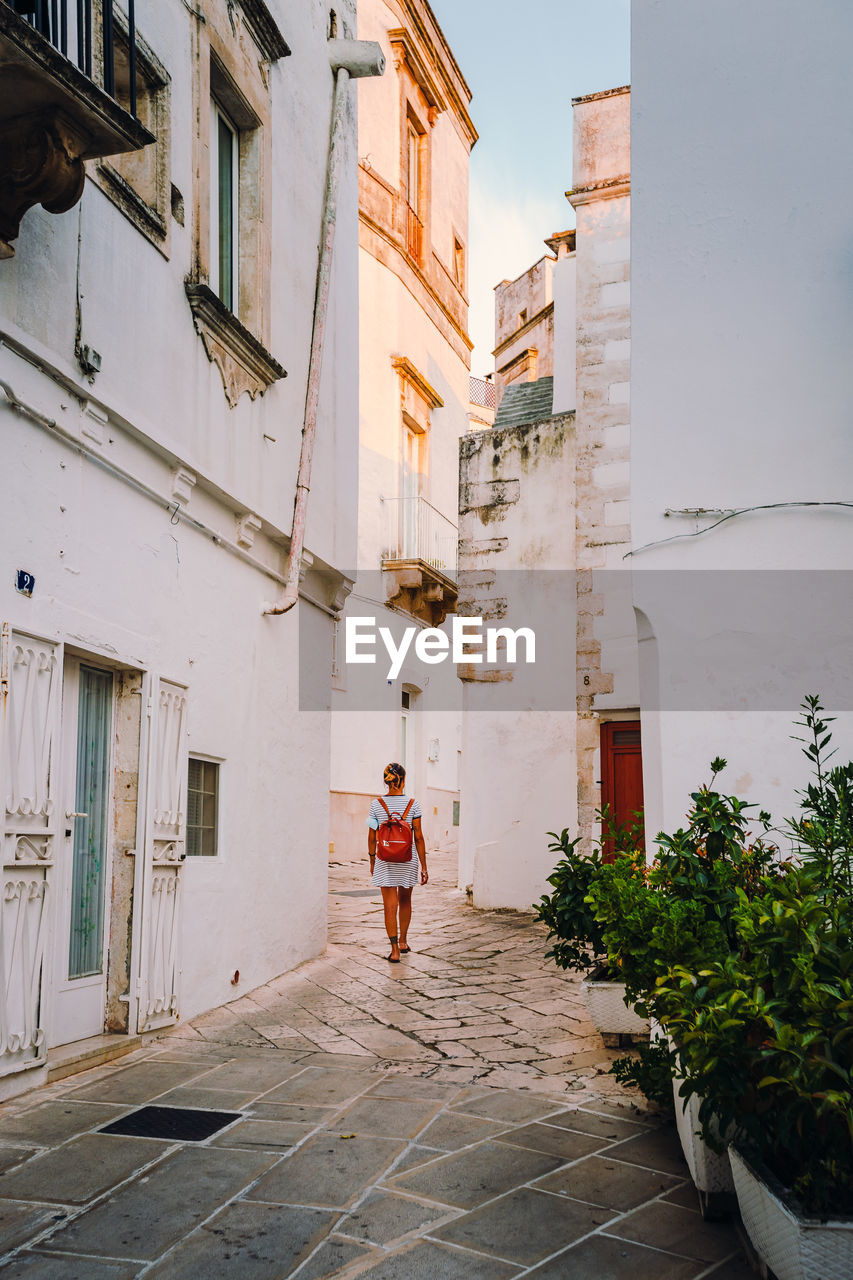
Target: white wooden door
83 863
165 850
30 684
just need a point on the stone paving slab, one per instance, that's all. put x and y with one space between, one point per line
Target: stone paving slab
150 1215
609 1183
49 1123
384 1217
249 1242
331 1170
140 1082
603 1258
469 1177
21 1222
332 1259
386 1117
453 1130
428 1261
41 1266
506 1150
525 1226
678 1230
81 1169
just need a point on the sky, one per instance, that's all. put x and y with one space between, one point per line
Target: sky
524 61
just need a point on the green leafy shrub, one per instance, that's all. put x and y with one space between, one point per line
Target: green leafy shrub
765 1033
679 910
765 1038
650 1069
578 941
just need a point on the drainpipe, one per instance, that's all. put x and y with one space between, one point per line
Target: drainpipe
348 59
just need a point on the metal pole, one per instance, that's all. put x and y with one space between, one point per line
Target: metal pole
315 366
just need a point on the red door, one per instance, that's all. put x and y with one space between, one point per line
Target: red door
621 773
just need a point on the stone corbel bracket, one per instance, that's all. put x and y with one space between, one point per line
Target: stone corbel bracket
247 526
243 362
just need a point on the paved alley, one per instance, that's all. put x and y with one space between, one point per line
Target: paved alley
448 1118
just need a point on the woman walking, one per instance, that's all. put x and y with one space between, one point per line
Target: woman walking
396 879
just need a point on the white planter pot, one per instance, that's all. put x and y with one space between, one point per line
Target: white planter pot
711 1173
608 1010
793 1247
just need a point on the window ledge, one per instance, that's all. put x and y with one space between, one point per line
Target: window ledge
134 206
243 362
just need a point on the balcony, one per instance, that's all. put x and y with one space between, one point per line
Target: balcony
421 559
69 95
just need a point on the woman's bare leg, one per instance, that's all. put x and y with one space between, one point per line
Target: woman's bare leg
405 896
389 905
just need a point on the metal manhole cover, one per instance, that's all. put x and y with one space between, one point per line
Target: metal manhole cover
180 1124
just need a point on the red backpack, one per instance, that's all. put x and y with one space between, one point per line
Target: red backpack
394 837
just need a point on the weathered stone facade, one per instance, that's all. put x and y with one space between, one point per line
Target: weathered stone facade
548 490
600 196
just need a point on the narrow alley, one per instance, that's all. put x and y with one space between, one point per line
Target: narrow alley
449 1118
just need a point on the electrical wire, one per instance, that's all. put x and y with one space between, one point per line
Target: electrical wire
742 511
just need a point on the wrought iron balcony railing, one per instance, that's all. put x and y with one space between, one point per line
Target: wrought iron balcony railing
415 530
87 33
414 234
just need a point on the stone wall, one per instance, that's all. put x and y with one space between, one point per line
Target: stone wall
606 639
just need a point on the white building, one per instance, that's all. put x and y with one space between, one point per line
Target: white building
544 528
415 139
163 832
741 387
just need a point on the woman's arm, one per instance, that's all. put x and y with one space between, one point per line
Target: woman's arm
371 848
421 848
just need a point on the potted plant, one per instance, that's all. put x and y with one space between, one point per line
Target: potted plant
575 933
765 1036
679 912
766 1043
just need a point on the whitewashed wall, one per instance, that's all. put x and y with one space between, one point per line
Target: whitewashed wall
741 381
115 578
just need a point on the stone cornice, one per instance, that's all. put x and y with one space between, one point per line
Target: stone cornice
603 93
525 328
407 370
405 49
413 279
608 189
560 238
264 30
445 66
243 362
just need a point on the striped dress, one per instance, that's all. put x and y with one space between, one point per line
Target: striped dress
400 875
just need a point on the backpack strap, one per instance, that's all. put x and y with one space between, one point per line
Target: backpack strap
384 806
404 815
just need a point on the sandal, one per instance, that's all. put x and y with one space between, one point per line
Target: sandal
393 959
404 950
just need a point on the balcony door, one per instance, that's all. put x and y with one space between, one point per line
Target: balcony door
411 490
80 940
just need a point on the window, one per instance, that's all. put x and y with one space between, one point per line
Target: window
224 207
138 182
415 193
202 808
459 262
522 317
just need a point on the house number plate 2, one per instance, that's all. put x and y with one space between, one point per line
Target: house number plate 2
24 582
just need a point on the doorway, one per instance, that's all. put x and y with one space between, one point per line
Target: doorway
621 774
83 866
